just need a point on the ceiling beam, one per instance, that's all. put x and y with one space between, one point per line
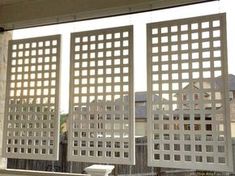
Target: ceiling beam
30 13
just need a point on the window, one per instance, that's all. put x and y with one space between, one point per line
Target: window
166 157
198 148
166 126
197 127
186 126
166 136
198 158
185 97
176 126
208 127
166 146
187 157
198 137
196 96
177 147
231 95
187 147
209 148
176 136
177 157
209 137
187 137
156 147
210 159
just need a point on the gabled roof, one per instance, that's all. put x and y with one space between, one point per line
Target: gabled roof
141 104
140 111
140 96
218 83
231 82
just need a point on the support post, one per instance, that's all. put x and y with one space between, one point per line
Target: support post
99 170
4 38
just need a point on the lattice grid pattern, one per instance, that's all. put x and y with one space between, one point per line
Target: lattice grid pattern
101 111
188 119
32 99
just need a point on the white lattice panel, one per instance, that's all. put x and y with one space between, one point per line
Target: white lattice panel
188 116
101 110
32 99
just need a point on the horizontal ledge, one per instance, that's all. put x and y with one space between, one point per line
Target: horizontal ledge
39 13
14 172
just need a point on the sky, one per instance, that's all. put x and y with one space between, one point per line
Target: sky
139 21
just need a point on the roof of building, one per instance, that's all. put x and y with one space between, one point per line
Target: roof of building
141 112
140 107
140 104
140 96
231 82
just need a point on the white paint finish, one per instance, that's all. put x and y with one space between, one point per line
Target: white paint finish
32 99
99 170
4 38
101 122
189 125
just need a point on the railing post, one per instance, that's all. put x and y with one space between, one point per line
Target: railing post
4 38
116 170
99 170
